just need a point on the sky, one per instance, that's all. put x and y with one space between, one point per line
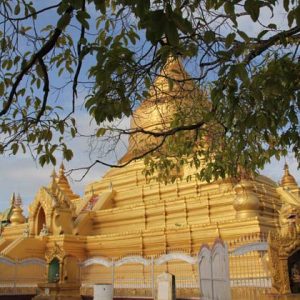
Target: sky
21 174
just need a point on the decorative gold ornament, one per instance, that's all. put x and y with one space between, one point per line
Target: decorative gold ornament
288 180
246 202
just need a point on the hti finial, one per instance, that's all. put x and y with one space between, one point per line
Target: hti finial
61 169
13 199
53 174
62 166
18 201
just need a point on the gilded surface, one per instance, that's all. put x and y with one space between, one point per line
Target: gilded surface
53 252
131 216
281 246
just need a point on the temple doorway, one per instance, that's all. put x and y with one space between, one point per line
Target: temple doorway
41 220
294 272
53 271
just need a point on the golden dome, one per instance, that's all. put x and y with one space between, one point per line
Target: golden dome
17 216
287 179
171 93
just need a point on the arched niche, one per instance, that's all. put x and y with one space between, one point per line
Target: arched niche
284 259
40 220
294 272
54 270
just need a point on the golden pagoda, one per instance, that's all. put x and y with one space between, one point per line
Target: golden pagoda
126 230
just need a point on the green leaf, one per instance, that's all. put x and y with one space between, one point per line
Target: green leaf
229 8
17 9
73 132
38 83
52 159
291 17
209 36
75 3
252 8
39 71
63 21
147 82
42 160
82 17
229 40
297 15
171 33
262 33
68 154
242 72
286 4
182 24
243 35
2 88
15 148
61 127
100 5
272 26
100 132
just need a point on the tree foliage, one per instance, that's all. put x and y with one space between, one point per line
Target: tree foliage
110 51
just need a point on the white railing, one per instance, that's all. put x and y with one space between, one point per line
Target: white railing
137 272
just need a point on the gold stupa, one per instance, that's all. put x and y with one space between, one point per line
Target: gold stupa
123 215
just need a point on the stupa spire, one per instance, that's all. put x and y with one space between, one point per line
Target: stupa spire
18 201
172 79
287 179
13 199
17 212
63 183
61 171
53 181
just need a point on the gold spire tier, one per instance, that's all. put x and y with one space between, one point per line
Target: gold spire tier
288 180
63 183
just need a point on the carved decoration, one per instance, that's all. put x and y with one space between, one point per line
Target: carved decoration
44 231
41 199
281 247
57 252
26 231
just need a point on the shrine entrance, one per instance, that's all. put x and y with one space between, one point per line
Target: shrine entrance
294 272
53 271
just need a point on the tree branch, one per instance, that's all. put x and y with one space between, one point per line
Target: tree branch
32 14
47 47
266 44
45 89
80 58
119 165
